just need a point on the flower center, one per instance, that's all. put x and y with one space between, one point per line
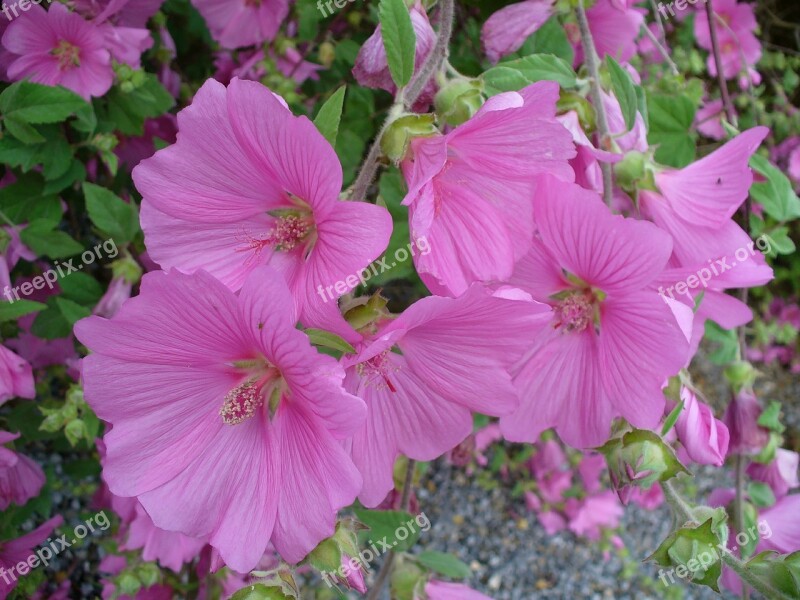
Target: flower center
68 55
575 312
377 369
293 227
245 400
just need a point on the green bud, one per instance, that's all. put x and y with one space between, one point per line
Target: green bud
148 574
367 314
75 431
694 553
128 584
408 580
126 268
327 54
740 374
458 100
630 170
639 458
126 86
326 556
397 138
587 116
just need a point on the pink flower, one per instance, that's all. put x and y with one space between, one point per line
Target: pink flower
169 548
13 552
612 340
507 29
709 120
591 468
780 474
588 517
454 356
128 13
372 69
649 499
237 23
704 437
248 183
470 190
119 290
741 418
57 47
736 24
226 422
16 377
551 521
614 27
20 477
441 590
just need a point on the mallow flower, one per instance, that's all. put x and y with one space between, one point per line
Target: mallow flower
247 184
612 341
507 29
20 477
470 190
13 552
422 373
372 68
704 437
237 23
16 376
780 474
227 424
58 47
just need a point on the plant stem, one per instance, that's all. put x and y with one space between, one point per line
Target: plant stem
437 56
661 49
738 505
684 512
388 564
723 85
406 98
591 59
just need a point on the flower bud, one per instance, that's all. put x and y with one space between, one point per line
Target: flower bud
398 136
704 437
780 474
459 100
639 458
693 551
741 418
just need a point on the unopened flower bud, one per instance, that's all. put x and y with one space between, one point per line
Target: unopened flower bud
398 136
459 100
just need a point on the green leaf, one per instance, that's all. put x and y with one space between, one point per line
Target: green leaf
10 311
326 339
385 525
128 110
672 418
780 242
25 200
624 90
57 321
24 132
771 417
671 119
75 172
551 38
326 556
111 214
529 69
776 194
81 288
35 103
399 39
259 591
760 494
330 115
727 344
40 237
444 563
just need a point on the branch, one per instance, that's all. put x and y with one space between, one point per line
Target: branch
661 49
723 85
388 565
591 59
437 56
685 513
